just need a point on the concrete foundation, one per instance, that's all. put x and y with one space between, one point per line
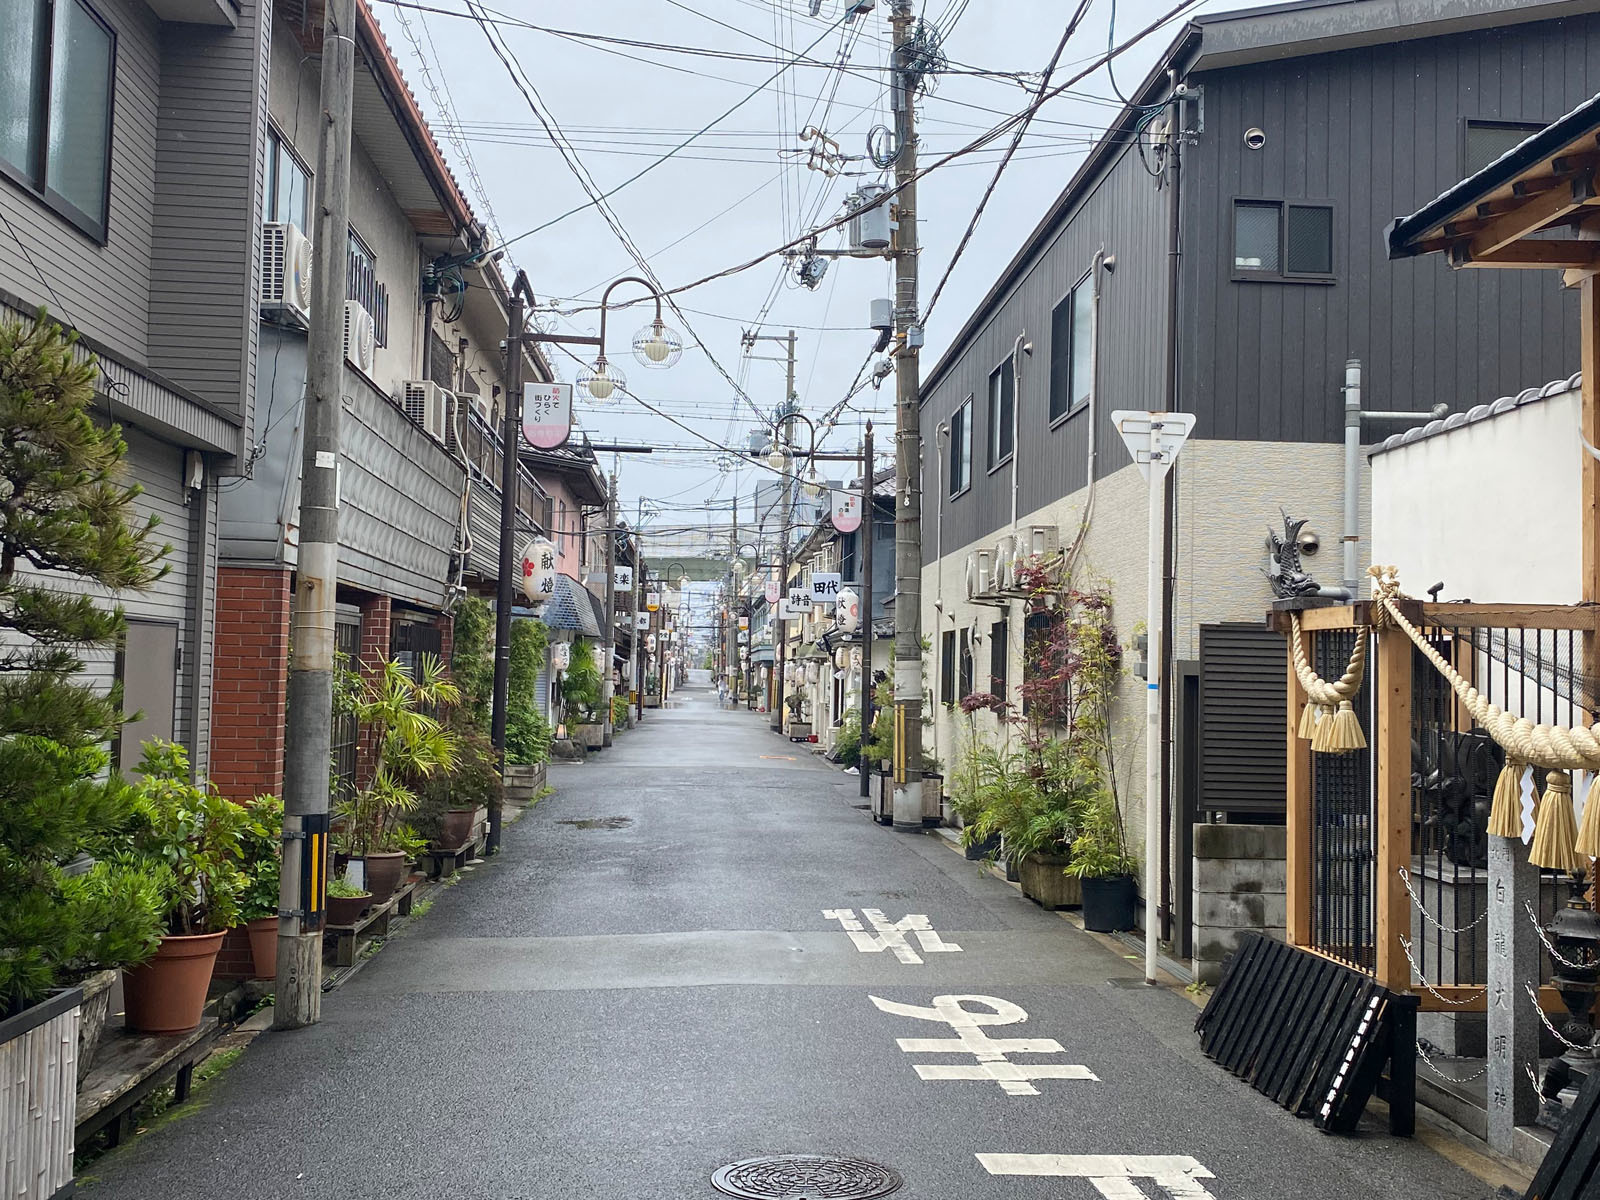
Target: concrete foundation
1239 882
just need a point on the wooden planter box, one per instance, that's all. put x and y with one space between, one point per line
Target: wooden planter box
799 730
591 737
1044 882
524 782
932 800
39 1098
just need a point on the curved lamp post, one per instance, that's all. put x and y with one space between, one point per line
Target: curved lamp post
656 345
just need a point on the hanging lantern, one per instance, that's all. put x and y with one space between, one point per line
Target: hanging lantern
848 611
560 655
538 570
855 658
813 672
841 657
600 660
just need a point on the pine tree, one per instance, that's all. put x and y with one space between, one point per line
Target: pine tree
69 539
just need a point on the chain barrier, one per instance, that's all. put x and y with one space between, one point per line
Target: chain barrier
1405 878
1405 945
1527 907
1445 1075
1556 1033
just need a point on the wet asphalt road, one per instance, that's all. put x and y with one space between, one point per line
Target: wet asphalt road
644 987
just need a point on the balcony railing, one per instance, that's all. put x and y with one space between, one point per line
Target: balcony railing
482 449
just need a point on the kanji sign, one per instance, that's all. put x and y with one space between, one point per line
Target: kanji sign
771 591
966 1017
623 582
546 414
796 604
539 570
891 935
846 511
824 587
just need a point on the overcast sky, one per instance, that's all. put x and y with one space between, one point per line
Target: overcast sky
744 188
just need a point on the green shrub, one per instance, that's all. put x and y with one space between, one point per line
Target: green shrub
581 684
472 657
261 847
474 783
847 739
527 731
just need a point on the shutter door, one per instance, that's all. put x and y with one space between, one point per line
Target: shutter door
1242 680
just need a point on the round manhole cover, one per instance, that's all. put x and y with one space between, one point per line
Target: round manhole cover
805 1177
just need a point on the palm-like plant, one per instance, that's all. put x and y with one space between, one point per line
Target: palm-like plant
392 707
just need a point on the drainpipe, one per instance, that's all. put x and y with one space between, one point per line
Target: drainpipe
1107 263
1352 472
1018 348
1170 505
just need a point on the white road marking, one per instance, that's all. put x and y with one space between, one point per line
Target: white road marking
890 935
1113 1175
970 1038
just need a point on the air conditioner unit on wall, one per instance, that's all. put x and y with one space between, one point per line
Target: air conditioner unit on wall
286 271
485 410
429 405
1043 540
1005 564
980 574
360 337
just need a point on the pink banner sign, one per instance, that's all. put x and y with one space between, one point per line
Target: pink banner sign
846 511
546 414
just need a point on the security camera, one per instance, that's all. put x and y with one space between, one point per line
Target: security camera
1255 138
1309 542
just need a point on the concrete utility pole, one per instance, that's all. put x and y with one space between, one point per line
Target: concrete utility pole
510 461
309 735
638 607
868 536
781 627
607 690
908 442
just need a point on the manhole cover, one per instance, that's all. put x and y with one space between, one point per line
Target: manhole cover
805 1177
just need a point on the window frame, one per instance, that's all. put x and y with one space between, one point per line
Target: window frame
965 457
374 298
947 668
1053 418
1283 204
992 442
269 182
36 182
965 665
1000 656
1528 128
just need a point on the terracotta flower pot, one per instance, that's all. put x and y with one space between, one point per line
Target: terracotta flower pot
457 827
347 910
264 946
167 994
384 873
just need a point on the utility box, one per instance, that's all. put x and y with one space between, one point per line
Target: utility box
882 315
869 219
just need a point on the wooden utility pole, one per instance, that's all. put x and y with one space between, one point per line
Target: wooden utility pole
908 441
868 535
309 734
505 584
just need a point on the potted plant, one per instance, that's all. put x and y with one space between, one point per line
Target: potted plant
411 744
68 916
261 847
447 805
798 727
527 731
346 902
188 837
581 693
1101 862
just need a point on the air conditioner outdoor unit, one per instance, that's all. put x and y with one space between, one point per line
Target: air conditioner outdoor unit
285 271
428 404
980 574
360 336
1005 564
485 410
1043 540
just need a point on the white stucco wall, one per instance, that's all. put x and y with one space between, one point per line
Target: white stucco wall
1491 508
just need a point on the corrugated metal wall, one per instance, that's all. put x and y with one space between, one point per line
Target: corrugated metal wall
1242 698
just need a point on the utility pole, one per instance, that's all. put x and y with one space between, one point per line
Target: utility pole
781 626
868 536
908 447
607 690
510 461
309 735
638 607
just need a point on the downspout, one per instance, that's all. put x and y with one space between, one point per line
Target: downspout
1170 506
1352 472
1018 348
1108 263
941 434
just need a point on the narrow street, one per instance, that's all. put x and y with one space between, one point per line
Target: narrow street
647 985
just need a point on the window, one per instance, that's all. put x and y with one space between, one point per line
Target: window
999 656
1486 141
365 289
1071 355
146 666
947 667
287 185
57 69
1002 410
964 683
1273 239
961 449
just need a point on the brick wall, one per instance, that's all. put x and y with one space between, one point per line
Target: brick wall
1239 884
376 638
446 625
250 680
235 961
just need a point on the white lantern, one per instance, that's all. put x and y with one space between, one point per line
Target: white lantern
848 611
538 570
560 655
600 660
855 658
841 658
813 672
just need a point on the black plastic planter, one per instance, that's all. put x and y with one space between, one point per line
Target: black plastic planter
1108 903
988 848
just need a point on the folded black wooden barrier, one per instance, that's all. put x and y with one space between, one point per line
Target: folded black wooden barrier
1313 1035
1571 1167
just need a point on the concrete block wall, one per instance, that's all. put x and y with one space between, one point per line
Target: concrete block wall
1239 882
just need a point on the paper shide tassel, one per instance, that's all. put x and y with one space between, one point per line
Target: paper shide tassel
1589 831
1555 832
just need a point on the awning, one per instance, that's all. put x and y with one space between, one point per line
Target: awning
761 656
572 607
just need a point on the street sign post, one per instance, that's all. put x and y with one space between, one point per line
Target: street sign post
1153 439
546 414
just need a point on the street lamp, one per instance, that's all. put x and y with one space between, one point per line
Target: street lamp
656 345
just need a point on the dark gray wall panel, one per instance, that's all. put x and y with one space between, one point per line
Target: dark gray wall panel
1242 681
